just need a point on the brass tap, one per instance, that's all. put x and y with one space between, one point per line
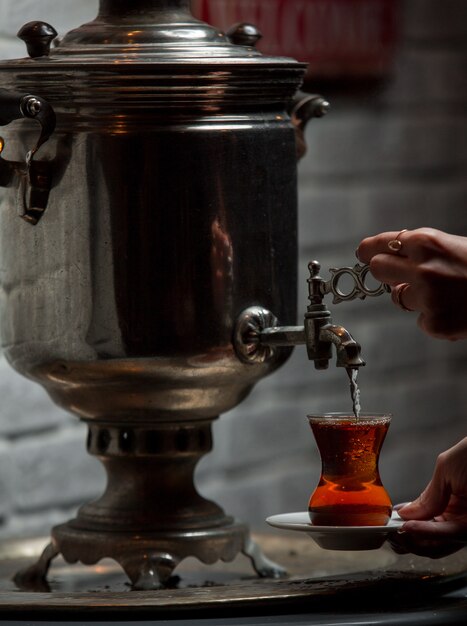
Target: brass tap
257 333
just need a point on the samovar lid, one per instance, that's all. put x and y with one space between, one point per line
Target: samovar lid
141 32
140 59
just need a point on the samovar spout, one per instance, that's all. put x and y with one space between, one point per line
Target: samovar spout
347 349
256 340
321 334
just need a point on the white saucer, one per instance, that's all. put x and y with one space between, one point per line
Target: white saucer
338 537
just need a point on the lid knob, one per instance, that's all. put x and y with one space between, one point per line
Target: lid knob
37 36
244 34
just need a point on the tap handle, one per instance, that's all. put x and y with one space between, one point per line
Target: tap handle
318 287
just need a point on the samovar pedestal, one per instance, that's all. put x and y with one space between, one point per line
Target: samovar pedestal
150 516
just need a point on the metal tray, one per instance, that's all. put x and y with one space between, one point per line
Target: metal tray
316 577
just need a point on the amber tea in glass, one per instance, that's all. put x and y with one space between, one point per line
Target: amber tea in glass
349 492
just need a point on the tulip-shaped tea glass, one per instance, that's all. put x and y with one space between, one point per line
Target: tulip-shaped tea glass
350 492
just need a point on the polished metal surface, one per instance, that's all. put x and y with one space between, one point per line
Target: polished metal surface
148 560
316 578
170 208
150 250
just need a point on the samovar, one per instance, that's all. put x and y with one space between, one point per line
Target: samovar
154 166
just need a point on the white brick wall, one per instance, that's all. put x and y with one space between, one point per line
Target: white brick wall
389 158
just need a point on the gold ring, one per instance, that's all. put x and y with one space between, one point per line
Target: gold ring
395 245
398 292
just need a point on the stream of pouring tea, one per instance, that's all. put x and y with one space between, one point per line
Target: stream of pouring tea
354 390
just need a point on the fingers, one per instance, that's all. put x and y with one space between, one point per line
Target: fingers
418 244
426 506
399 506
433 539
432 530
404 296
427 273
372 246
405 543
434 499
391 269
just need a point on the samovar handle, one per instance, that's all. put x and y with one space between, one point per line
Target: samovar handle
303 108
36 174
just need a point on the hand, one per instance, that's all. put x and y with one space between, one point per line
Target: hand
434 264
437 519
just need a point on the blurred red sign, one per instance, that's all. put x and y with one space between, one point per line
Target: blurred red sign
336 37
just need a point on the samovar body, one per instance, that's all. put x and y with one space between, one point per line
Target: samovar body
162 205
152 243
172 208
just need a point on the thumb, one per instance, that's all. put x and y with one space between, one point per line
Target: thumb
431 502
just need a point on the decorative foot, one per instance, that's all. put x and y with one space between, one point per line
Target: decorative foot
148 560
34 577
150 572
263 566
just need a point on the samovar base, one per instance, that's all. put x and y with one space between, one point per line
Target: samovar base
150 516
147 559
